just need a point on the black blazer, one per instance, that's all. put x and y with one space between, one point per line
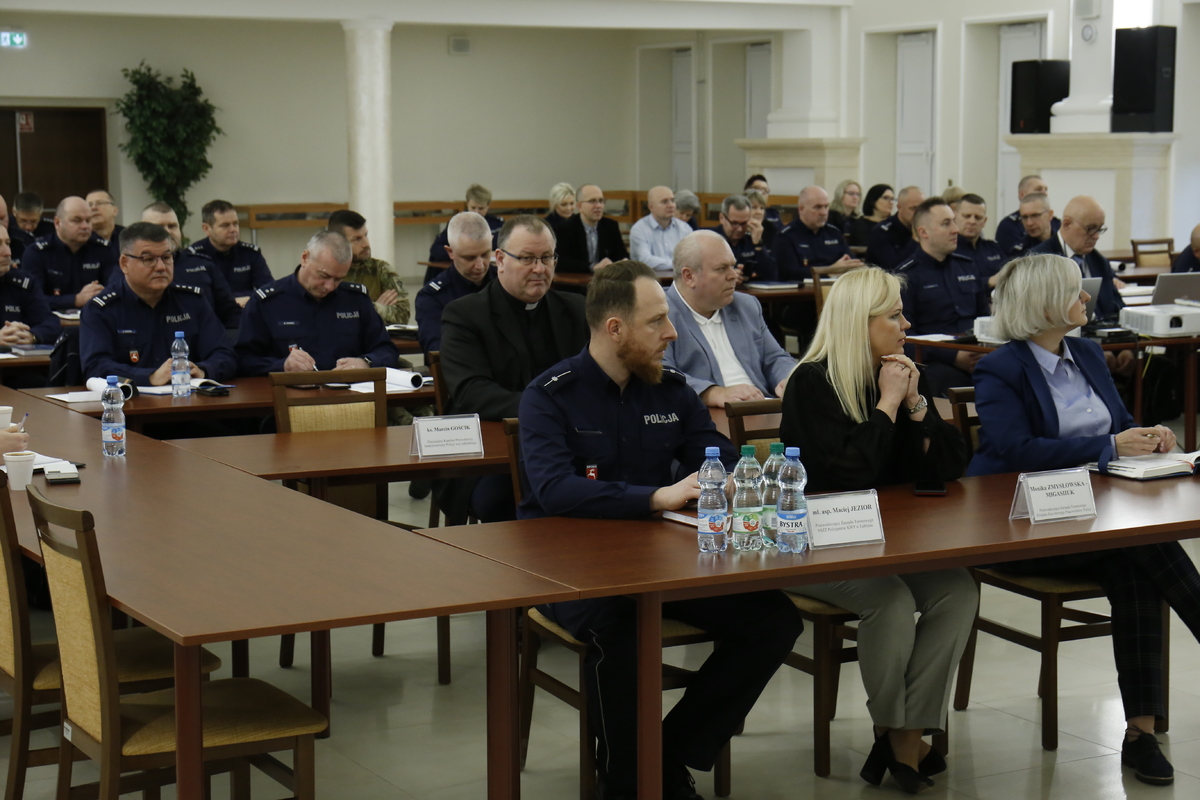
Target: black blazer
572 244
1109 302
484 358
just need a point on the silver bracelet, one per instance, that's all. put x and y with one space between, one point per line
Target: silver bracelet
921 405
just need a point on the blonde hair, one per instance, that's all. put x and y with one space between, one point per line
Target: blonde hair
843 338
835 203
559 192
1034 294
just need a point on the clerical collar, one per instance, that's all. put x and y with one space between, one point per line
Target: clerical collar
531 306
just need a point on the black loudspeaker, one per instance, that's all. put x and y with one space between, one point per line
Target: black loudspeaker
1144 80
1037 85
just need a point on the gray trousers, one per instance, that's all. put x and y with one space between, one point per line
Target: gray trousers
907 664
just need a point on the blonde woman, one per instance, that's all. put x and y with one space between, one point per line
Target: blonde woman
858 410
562 204
845 205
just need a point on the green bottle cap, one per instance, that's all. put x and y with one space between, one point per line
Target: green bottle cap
749 450
776 448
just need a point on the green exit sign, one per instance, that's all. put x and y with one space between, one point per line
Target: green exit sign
17 39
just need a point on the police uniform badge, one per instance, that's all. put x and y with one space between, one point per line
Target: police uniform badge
133 356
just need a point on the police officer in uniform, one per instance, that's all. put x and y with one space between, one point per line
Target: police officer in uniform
312 320
810 241
470 251
970 218
24 311
193 268
104 220
944 294
243 265
70 265
383 285
600 432
744 234
128 330
892 242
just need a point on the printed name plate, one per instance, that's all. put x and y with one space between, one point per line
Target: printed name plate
837 520
1053 495
457 435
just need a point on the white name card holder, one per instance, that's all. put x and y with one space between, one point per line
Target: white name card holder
1057 494
844 518
455 435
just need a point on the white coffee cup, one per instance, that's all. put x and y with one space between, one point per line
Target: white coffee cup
5 417
20 468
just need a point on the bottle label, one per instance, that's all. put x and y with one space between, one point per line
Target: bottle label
112 432
745 521
792 522
711 523
769 518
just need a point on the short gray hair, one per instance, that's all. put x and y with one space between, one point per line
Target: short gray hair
1034 294
559 192
690 251
734 201
467 226
332 242
686 200
1036 197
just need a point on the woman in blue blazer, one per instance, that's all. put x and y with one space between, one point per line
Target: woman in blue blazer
1046 401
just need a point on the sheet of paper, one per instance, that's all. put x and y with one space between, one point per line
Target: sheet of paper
41 462
76 397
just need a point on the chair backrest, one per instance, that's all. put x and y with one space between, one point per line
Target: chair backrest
14 605
81 616
440 399
1153 252
323 410
962 399
821 286
767 430
512 437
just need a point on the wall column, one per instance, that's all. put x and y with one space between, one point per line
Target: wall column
809 65
1088 108
369 129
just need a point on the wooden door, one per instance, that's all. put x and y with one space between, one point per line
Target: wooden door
65 153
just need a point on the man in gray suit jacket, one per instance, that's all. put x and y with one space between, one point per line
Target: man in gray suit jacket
724 347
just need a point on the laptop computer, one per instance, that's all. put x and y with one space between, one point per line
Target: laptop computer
1170 286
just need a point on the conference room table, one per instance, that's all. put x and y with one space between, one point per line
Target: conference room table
249 397
22 362
657 561
204 553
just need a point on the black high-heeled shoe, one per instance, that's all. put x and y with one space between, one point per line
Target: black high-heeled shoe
877 761
881 759
933 763
908 778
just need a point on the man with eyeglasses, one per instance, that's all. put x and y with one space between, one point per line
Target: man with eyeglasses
71 266
589 240
313 319
652 238
26 317
128 330
809 240
494 342
1082 226
104 220
1037 220
1012 231
892 241
744 234
242 263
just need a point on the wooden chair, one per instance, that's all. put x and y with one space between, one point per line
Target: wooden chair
441 397
31 674
1051 591
821 286
830 624
297 412
1153 252
538 627
244 718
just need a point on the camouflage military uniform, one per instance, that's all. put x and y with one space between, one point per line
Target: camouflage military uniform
378 277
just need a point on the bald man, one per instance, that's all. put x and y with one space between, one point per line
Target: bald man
652 238
1189 259
810 241
1082 225
892 241
70 264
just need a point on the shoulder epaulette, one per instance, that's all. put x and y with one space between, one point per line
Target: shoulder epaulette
674 374
23 281
354 287
265 292
249 246
788 227
886 225
963 256
906 265
102 299
187 289
435 285
41 243
556 382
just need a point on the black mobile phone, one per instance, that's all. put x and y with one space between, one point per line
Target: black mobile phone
930 488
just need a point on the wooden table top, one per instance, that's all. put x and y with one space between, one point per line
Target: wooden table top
968 526
248 395
25 362
375 452
203 553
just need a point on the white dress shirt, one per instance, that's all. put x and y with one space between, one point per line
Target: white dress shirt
713 328
653 245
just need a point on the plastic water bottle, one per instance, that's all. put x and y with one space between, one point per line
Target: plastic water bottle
770 492
181 370
747 502
712 509
792 532
112 420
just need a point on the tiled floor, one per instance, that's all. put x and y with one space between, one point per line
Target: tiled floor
398 734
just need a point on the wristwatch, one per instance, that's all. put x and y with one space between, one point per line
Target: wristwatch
921 405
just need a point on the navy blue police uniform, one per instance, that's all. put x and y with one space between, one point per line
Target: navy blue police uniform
988 256
437 250
283 315
574 417
22 300
120 334
62 273
243 265
113 242
194 268
433 298
798 248
891 244
758 263
1186 261
1011 236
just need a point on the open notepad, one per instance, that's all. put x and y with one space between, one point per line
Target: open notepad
1155 465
